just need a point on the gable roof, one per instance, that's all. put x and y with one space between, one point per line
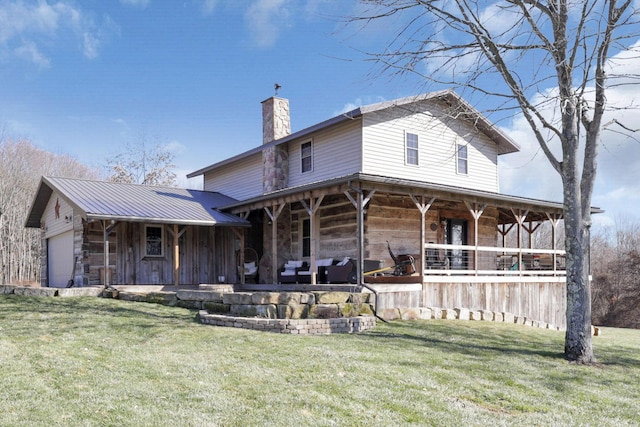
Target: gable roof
505 143
102 200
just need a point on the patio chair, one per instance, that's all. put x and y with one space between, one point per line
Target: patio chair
289 271
250 265
434 262
342 272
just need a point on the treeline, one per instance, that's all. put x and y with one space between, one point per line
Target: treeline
21 167
615 268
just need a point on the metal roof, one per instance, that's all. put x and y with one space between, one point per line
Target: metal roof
103 200
505 143
411 186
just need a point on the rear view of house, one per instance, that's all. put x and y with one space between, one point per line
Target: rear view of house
418 175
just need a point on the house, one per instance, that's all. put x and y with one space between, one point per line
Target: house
420 173
143 235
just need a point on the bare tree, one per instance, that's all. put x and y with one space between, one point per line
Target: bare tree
549 60
615 266
21 166
143 162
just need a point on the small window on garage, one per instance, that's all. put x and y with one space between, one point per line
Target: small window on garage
154 238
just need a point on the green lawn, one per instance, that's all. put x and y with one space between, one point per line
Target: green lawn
92 361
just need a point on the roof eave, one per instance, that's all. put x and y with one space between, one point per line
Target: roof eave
168 221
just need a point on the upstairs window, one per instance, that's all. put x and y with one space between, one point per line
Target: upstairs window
154 237
462 159
306 156
411 149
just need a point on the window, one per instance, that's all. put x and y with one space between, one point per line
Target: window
154 237
462 159
411 149
306 237
306 155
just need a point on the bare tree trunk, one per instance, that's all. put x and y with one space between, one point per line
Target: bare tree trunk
578 345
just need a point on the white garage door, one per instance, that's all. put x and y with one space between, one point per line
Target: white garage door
60 254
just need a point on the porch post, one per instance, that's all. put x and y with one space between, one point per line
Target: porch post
273 215
359 203
312 210
476 213
240 260
105 260
520 217
423 208
176 256
553 219
176 234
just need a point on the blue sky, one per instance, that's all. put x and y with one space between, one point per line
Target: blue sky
86 77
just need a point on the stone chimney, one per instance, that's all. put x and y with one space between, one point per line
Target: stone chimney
276 124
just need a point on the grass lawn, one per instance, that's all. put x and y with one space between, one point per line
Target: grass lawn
95 362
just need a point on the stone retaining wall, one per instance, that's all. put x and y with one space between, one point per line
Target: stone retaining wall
426 313
29 291
269 305
343 325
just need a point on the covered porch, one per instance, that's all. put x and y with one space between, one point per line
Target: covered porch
446 230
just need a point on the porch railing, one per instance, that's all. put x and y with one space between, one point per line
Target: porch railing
489 261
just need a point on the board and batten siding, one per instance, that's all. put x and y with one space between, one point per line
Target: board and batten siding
57 224
240 180
438 135
336 152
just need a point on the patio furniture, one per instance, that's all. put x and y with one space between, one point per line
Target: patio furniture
434 262
289 271
342 272
505 262
250 265
304 275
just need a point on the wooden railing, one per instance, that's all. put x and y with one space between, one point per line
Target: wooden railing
492 261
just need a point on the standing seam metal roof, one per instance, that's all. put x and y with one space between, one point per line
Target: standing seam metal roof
105 200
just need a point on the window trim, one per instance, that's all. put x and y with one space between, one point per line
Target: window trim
460 146
407 149
146 241
310 157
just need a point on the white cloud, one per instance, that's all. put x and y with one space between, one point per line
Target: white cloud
29 52
208 6
266 19
617 189
136 3
29 27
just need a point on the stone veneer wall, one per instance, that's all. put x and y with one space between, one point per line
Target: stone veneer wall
276 124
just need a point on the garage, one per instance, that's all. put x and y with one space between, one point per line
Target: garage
60 256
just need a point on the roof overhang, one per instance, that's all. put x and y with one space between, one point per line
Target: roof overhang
367 182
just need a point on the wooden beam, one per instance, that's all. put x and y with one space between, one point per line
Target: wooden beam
520 217
423 208
176 255
476 212
273 212
105 261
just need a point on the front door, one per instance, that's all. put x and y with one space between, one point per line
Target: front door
456 234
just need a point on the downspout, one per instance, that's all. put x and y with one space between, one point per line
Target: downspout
360 233
375 305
